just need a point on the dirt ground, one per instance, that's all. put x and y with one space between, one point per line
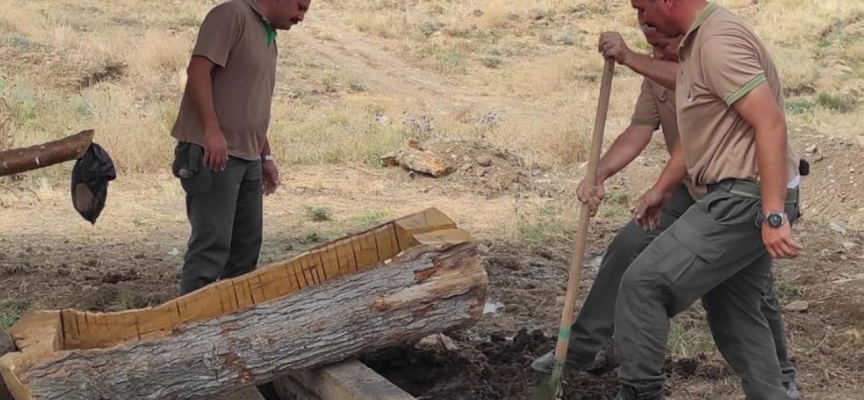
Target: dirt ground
51 258
522 215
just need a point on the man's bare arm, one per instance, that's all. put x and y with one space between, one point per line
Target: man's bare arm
662 72
761 111
612 45
201 87
624 150
674 172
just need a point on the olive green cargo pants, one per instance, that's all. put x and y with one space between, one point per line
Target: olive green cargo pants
714 251
225 213
592 331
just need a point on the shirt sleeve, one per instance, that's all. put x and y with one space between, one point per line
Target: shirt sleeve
219 32
645 111
731 65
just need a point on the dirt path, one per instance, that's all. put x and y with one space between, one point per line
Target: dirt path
325 38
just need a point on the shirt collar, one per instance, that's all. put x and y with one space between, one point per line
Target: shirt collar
268 29
710 7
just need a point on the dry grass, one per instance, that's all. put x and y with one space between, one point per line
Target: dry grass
531 61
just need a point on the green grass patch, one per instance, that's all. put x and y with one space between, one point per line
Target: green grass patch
318 214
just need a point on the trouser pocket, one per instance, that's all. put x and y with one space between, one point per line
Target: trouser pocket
188 166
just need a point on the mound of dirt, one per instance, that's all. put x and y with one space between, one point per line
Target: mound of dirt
499 368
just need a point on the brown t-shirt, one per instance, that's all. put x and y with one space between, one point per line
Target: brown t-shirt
234 37
655 107
720 61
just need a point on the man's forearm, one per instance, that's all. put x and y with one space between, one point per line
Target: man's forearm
202 95
623 151
662 72
265 150
674 172
771 155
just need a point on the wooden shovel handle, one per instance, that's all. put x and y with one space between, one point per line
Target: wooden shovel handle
584 217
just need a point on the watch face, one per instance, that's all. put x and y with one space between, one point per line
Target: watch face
775 220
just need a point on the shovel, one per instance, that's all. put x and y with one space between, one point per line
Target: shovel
549 388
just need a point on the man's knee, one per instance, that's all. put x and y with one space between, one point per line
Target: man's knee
630 240
641 279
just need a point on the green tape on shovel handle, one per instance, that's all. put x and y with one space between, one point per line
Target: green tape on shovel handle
564 333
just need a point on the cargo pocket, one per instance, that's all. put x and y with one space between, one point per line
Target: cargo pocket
188 167
729 209
694 241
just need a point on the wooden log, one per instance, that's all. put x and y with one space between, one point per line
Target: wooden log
40 156
7 345
346 380
351 296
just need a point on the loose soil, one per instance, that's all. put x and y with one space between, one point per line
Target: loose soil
50 258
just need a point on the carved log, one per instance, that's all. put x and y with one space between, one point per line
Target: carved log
40 156
7 345
395 283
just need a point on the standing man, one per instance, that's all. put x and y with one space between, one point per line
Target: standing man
592 331
222 157
733 141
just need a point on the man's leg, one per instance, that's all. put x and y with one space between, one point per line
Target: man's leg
211 216
592 330
774 315
248 224
713 241
736 320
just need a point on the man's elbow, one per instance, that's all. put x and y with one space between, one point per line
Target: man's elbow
199 67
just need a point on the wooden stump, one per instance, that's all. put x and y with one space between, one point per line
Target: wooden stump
392 284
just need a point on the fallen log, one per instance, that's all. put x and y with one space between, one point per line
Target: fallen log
395 283
43 155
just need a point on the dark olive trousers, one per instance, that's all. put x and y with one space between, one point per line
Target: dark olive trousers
594 326
226 220
713 251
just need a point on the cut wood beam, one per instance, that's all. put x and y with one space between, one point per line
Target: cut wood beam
346 380
250 393
306 312
43 155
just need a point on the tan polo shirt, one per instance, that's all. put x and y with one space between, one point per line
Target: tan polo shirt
720 61
234 36
655 107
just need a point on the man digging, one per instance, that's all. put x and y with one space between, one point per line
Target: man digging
592 331
222 156
733 141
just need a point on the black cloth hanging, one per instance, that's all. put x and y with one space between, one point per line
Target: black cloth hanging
90 177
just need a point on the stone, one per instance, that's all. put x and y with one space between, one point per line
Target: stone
798 306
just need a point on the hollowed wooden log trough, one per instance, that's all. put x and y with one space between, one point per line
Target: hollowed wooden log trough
392 284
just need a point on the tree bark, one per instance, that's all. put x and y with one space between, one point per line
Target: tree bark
427 289
7 345
40 156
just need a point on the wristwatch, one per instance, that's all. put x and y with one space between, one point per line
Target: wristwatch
267 157
775 219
